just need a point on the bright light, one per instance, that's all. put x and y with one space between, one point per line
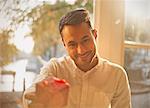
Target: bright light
70 1
23 43
27 45
49 1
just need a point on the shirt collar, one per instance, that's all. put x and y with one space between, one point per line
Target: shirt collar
77 72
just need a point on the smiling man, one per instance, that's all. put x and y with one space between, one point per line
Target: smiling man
79 41
88 80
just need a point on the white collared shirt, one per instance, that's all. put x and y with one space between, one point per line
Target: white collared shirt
104 86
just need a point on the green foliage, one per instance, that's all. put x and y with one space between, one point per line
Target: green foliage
7 50
45 22
43 19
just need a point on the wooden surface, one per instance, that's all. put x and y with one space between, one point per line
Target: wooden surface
10 99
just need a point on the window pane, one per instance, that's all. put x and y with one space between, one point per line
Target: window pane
137 21
137 64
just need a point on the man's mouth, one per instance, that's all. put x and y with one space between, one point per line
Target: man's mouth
85 55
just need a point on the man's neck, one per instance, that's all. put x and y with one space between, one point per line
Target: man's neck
88 67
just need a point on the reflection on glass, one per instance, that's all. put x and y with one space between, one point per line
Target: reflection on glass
137 56
137 21
137 64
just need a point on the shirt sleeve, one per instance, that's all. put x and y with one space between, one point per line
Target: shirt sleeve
46 71
122 95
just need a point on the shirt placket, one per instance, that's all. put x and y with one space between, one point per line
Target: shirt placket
84 92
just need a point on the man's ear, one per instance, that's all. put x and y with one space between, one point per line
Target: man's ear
94 31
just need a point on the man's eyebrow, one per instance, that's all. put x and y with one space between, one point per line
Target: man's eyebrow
85 37
70 42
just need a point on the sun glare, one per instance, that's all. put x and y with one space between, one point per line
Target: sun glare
27 44
70 1
23 43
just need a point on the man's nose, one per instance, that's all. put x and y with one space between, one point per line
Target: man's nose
80 49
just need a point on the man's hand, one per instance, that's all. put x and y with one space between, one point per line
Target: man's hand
50 93
32 97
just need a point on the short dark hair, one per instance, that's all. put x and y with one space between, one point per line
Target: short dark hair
76 16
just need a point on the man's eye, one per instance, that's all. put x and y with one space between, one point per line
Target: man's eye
86 40
73 45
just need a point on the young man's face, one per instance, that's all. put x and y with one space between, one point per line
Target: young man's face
79 41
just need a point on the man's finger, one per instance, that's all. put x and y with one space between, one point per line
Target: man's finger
30 96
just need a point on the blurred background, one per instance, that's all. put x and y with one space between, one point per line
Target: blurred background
29 37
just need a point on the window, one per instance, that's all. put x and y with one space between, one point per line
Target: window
137 50
137 39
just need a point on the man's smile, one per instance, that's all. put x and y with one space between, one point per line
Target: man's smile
85 55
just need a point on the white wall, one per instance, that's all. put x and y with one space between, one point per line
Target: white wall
109 21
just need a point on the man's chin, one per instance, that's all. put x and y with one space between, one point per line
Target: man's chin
84 62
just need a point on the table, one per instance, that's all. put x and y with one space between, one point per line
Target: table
13 73
11 99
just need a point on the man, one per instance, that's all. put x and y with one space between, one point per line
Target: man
94 82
